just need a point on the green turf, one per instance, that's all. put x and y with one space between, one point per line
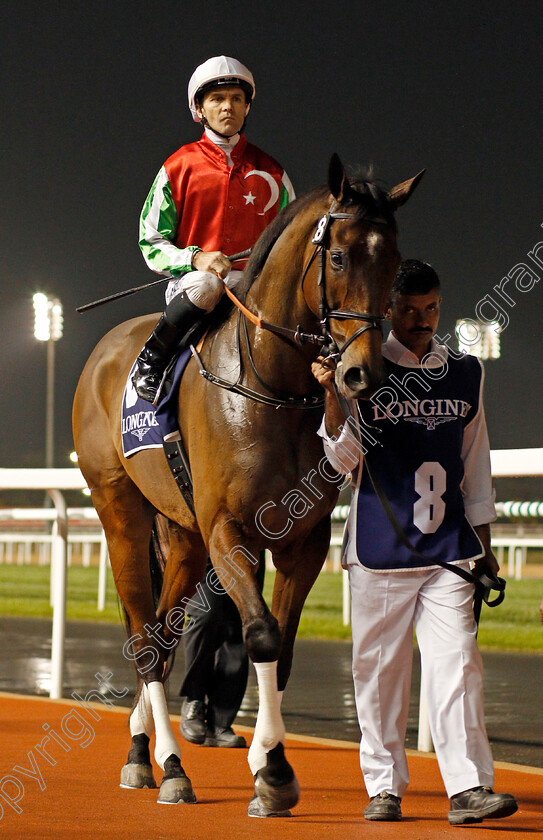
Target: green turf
24 591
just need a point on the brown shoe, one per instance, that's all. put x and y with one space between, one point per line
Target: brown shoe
384 806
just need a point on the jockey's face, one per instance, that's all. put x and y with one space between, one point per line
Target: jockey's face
414 320
225 109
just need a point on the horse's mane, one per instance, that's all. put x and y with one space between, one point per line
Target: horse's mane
364 194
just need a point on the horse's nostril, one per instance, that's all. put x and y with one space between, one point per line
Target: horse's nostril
355 378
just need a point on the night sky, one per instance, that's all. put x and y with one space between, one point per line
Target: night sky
94 99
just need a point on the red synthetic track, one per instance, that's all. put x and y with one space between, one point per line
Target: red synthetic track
82 798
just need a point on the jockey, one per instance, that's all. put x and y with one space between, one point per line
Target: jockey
210 199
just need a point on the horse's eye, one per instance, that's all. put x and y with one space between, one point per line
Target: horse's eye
336 259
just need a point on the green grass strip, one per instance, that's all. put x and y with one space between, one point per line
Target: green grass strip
513 626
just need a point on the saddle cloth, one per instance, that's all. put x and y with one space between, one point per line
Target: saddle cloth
143 425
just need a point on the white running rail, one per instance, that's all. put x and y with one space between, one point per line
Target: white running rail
505 463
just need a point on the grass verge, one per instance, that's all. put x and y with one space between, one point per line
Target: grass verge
513 626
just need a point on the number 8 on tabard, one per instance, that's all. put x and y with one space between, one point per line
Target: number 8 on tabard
430 484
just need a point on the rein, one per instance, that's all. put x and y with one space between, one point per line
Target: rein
283 400
324 339
320 239
296 335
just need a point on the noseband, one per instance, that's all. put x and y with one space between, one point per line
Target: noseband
321 240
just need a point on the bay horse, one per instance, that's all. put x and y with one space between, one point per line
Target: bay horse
325 264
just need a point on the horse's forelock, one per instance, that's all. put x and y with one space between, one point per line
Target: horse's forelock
369 196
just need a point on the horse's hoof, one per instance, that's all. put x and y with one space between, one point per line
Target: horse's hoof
258 809
277 797
176 791
137 776
276 785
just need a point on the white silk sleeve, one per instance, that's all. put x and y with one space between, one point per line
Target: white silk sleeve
344 452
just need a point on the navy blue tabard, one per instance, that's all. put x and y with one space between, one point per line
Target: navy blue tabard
417 460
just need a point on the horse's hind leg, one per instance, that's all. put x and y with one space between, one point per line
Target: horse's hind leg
138 770
127 519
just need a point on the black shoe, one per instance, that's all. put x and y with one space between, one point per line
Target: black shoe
178 318
193 721
224 738
480 803
384 806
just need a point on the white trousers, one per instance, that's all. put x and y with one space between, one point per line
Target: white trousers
438 604
203 288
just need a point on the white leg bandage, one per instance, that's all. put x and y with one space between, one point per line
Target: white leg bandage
141 719
166 745
269 729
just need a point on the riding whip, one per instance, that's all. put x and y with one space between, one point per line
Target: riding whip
242 255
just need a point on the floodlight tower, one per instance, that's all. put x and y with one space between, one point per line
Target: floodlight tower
48 324
479 338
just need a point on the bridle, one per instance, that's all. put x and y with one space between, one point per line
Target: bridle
324 339
321 240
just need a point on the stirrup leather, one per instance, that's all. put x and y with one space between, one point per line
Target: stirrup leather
178 463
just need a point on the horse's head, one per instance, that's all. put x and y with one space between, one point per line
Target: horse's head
358 257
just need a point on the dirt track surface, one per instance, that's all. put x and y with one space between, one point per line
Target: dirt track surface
319 699
82 797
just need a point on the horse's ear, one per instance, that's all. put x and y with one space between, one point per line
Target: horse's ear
337 178
399 194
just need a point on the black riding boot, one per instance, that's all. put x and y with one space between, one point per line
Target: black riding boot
178 317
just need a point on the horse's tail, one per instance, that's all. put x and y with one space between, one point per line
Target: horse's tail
157 557
157 563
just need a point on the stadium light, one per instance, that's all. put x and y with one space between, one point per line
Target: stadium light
48 326
479 338
48 318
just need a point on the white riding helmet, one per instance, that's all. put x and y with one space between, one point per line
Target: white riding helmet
219 70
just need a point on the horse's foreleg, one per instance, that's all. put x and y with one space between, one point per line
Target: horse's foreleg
269 728
293 582
292 585
176 787
151 714
276 786
186 562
